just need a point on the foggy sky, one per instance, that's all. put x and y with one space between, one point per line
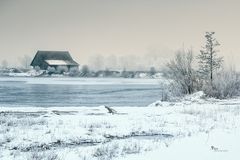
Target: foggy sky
149 31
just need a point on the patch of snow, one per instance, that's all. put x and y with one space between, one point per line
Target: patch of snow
162 104
195 97
56 62
31 73
158 76
219 145
143 75
198 97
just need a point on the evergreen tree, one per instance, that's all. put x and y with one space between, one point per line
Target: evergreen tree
208 60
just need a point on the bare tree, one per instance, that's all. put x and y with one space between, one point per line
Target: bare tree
26 61
181 72
208 60
125 73
111 62
152 71
85 71
96 62
4 64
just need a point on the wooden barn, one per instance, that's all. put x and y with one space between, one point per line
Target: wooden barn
45 59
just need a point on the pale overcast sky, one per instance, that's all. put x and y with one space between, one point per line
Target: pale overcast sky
140 28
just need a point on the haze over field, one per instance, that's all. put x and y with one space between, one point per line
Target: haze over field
146 31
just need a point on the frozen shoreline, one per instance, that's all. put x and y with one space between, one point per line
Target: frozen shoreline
83 81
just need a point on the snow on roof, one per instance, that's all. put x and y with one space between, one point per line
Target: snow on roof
57 62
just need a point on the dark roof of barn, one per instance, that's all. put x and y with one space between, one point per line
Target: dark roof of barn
43 56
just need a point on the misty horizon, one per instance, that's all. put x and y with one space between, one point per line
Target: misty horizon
117 32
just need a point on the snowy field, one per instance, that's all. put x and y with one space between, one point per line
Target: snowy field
195 128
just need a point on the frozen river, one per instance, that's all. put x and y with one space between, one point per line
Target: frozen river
54 92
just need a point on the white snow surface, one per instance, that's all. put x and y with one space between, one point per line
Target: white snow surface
197 147
56 62
31 73
195 128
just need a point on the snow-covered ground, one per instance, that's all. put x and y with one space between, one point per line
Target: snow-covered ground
195 128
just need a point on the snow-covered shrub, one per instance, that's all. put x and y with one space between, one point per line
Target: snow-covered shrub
184 79
49 155
132 148
51 70
169 91
127 74
106 152
181 73
62 69
37 68
112 150
225 85
73 72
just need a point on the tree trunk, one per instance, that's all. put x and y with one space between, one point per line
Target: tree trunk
211 64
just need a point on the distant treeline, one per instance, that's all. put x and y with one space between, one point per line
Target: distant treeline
83 71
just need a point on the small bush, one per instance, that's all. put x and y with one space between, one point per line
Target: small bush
62 69
131 149
51 70
37 68
181 72
225 85
73 72
43 156
107 152
170 91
